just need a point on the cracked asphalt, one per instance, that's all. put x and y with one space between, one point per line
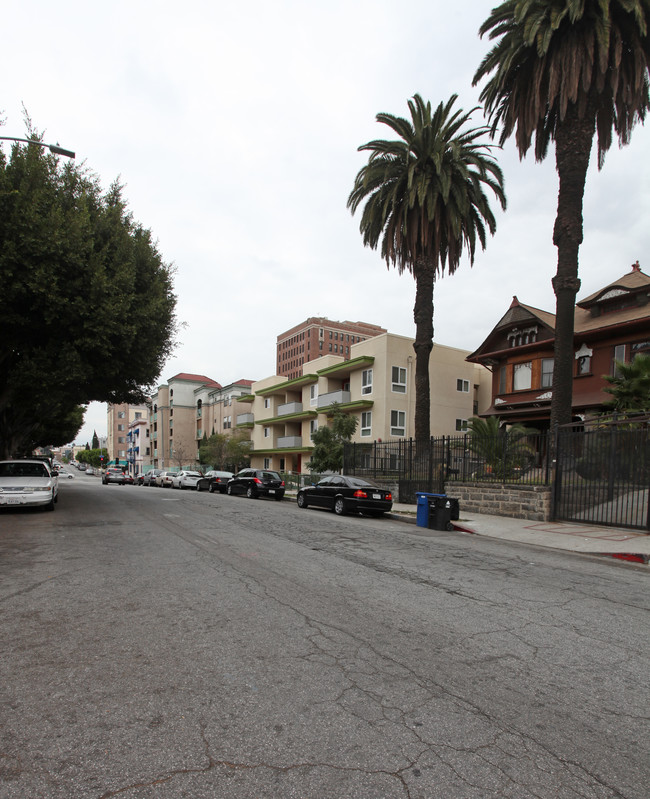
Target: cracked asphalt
165 644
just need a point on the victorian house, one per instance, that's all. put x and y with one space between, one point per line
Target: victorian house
612 324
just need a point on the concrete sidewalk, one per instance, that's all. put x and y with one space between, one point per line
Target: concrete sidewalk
616 542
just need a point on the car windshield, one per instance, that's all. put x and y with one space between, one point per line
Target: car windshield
23 470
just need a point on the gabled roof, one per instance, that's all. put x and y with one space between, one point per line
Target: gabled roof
206 381
633 282
517 314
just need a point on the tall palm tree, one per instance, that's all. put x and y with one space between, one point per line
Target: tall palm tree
424 198
566 71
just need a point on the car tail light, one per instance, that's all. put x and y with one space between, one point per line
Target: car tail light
282 483
388 496
258 481
359 494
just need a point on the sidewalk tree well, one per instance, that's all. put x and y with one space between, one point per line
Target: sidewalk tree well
87 311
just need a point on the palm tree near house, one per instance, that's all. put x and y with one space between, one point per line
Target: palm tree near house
630 386
425 200
564 71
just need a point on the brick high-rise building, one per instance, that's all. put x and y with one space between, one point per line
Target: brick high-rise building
316 337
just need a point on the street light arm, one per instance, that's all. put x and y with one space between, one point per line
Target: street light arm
53 148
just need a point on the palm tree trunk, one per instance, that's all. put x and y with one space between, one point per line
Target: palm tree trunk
424 273
574 137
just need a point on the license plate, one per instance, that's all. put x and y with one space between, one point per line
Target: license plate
271 490
376 496
12 501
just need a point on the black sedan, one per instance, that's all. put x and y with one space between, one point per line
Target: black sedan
346 494
257 483
214 481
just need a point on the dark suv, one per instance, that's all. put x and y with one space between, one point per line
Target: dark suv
257 483
113 475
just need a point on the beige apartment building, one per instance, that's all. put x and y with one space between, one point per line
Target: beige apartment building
119 418
188 408
318 336
376 384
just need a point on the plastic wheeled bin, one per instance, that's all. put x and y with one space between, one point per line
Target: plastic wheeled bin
423 499
440 513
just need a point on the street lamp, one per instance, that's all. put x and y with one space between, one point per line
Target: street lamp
54 148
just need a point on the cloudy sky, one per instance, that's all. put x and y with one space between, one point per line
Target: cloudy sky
234 128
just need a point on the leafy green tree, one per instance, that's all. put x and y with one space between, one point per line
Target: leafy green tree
87 310
506 452
424 199
327 455
225 452
630 387
95 444
564 71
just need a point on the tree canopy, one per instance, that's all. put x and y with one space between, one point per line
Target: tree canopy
425 200
564 71
630 386
87 309
327 455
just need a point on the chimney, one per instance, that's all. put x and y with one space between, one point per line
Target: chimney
636 267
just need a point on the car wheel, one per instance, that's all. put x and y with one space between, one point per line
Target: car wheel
302 501
339 506
250 492
181 486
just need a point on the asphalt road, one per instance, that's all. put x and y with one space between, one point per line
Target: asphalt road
166 644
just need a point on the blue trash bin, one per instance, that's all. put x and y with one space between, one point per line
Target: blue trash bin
423 500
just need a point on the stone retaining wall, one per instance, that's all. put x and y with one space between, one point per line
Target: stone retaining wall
498 499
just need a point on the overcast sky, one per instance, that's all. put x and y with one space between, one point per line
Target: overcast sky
234 128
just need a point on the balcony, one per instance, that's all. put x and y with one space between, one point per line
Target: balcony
289 407
325 400
245 418
289 442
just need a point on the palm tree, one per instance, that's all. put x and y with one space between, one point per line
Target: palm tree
565 71
424 198
630 386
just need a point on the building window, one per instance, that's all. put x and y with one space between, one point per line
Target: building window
522 376
267 402
121 440
138 415
547 372
120 427
462 385
399 379
147 451
121 414
267 463
267 432
619 355
313 394
461 425
313 427
122 453
502 380
282 465
366 423
398 423
366 381
583 365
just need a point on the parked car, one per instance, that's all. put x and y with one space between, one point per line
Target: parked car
214 481
149 478
113 475
90 470
164 479
62 474
186 479
128 479
256 483
346 494
28 482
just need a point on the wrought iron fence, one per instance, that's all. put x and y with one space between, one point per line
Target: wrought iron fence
603 475
427 466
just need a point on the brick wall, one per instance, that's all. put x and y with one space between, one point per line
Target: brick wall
497 499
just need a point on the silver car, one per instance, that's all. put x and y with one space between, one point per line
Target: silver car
186 479
28 482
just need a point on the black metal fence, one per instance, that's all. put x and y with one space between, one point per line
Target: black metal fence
603 475
428 465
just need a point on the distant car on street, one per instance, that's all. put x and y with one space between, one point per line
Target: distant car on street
214 481
256 483
114 475
346 494
28 482
185 479
149 478
164 479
